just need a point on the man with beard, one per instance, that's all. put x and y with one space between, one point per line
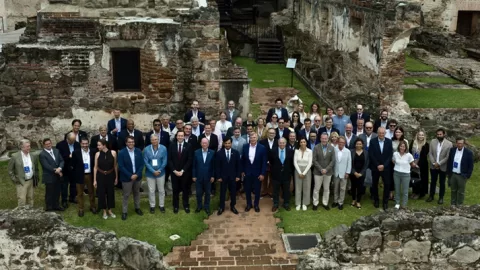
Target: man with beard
438 157
382 121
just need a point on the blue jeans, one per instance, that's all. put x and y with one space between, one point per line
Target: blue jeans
203 186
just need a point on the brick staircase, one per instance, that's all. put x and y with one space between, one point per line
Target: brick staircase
269 50
249 241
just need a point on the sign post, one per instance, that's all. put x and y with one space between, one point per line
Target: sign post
291 65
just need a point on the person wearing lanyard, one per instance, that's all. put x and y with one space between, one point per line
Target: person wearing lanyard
155 157
83 161
459 170
23 170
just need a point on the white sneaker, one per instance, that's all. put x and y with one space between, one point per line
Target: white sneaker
304 207
105 216
298 208
397 206
113 215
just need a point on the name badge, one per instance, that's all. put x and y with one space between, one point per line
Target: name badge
26 169
455 165
416 156
85 166
154 162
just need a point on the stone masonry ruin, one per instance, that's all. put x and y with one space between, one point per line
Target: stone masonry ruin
72 59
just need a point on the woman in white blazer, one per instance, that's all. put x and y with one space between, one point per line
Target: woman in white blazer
302 160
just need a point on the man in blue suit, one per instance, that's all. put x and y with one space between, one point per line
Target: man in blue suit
459 170
203 175
117 124
254 167
380 156
130 165
228 171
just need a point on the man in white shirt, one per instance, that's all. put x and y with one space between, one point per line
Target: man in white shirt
231 112
349 136
197 130
438 157
23 170
83 162
392 125
460 167
343 166
359 130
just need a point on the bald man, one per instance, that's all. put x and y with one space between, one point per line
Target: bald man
131 131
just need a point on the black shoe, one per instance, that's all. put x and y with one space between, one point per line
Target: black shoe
376 204
326 207
59 209
65 205
213 193
440 201
187 210
315 207
334 205
234 210
198 210
73 201
139 212
385 206
175 210
94 211
430 198
287 207
207 211
220 211
274 208
248 208
85 192
49 210
340 207
81 214
257 209
124 216
162 209
152 210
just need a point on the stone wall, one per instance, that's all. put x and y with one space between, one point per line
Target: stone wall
464 122
443 14
353 51
65 71
440 238
33 239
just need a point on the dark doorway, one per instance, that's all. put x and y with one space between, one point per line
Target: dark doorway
126 69
464 23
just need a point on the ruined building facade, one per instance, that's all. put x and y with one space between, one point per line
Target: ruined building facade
83 58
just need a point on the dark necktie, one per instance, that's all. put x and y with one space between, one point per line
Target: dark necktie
228 156
179 151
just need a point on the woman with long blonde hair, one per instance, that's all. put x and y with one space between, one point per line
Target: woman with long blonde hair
419 148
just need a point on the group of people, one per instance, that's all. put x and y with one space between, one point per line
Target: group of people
331 152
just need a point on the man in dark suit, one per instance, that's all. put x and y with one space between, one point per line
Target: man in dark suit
459 170
83 162
254 167
249 131
349 136
312 141
292 143
194 112
167 126
197 129
231 112
368 135
131 131
130 166
52 164
305 132
359 114
66 148
212 138
281 164
281 112
228 172
380 156
190 138
163 137
117 124
180 163
382 121
269 143
281 131
203 174
328 128
111 140
79 134
237 124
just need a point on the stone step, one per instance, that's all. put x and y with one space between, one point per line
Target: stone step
436 86
248 267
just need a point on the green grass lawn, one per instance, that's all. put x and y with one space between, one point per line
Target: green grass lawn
152 228
440 80
442 98
277 72
415 65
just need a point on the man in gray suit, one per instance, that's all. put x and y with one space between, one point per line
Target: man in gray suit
438 157
52 164
323 165
367 135
238 141
23 171
343 166
231 112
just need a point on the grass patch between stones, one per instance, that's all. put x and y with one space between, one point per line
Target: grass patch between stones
415 65
442 98
439 80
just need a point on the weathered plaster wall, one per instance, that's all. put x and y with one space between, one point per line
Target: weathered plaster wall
353 51
65 71
443 14
15 11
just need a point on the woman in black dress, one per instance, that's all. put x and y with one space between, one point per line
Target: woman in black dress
359 170
419 148
105 178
